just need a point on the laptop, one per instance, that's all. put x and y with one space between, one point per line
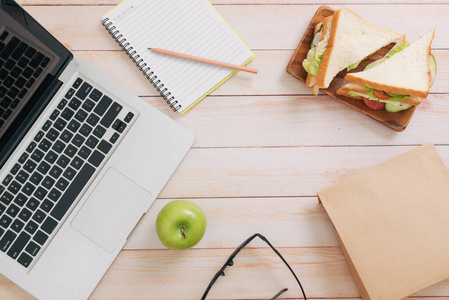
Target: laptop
82 159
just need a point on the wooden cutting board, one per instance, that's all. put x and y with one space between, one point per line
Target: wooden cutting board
396 121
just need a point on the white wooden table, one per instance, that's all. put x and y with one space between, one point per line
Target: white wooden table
264 147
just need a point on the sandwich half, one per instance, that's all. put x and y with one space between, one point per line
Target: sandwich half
346 40
398 81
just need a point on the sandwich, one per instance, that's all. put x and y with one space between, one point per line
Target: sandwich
398 81
345 40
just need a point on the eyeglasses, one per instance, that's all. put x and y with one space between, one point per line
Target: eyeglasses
230 263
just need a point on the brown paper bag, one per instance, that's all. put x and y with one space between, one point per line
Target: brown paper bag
392 222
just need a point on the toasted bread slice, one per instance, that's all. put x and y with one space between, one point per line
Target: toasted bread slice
352 87
351 40
405 73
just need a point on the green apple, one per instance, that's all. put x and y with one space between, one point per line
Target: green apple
180 224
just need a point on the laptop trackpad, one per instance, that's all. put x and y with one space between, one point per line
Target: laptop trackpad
112 208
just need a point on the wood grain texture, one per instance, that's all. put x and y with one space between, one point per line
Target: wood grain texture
273 121
263 148
257 271
234 2
260 26
271 80
267 172
290 222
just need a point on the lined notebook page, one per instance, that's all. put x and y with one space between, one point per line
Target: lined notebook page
186 26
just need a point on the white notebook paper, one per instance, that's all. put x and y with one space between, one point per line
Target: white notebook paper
187 26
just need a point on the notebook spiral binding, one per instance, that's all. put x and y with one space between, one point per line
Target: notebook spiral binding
146 70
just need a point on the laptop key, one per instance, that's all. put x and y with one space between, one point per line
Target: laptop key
81 115
16 102
95 95
77 83
36 178
22 177
40 237
49 225
27 72
103 105
92 142
58 147
104 147
29 166
48 182
54 195
54 115
52 134
60 124
32 248
70 150
55 172
69 173
77 163
40 193
84 152
84 90
70 93
28 189
45 145
72 192
45 62
39 216
7 240
129 117
88 105
62 104
37 155
31 227
44 167
110 116
39 136
30 82
20 199
6 198
25 214
31 147
73 126
51 157
85 130
7 179
13 210
46 206
23 158
17 225
93 119
78 140
4 35
9 48
75 103
32 204
63 161
2 209
96 158
67 114
66 136
99 131
25 260
62 184
18 245
14 187
5 221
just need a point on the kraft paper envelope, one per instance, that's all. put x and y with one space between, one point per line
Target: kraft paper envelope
392 222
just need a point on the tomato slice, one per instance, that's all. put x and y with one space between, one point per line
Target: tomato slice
374 104
381 94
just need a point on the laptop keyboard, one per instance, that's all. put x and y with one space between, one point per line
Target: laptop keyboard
55 167
20 67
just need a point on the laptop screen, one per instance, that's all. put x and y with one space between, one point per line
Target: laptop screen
30 61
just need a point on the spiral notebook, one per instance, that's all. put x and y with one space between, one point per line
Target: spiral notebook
188 26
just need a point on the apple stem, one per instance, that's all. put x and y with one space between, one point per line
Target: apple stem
183 234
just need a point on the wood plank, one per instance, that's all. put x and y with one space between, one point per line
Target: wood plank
234 2
256 274
303 121
271 80
273 172
260 26
287 222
